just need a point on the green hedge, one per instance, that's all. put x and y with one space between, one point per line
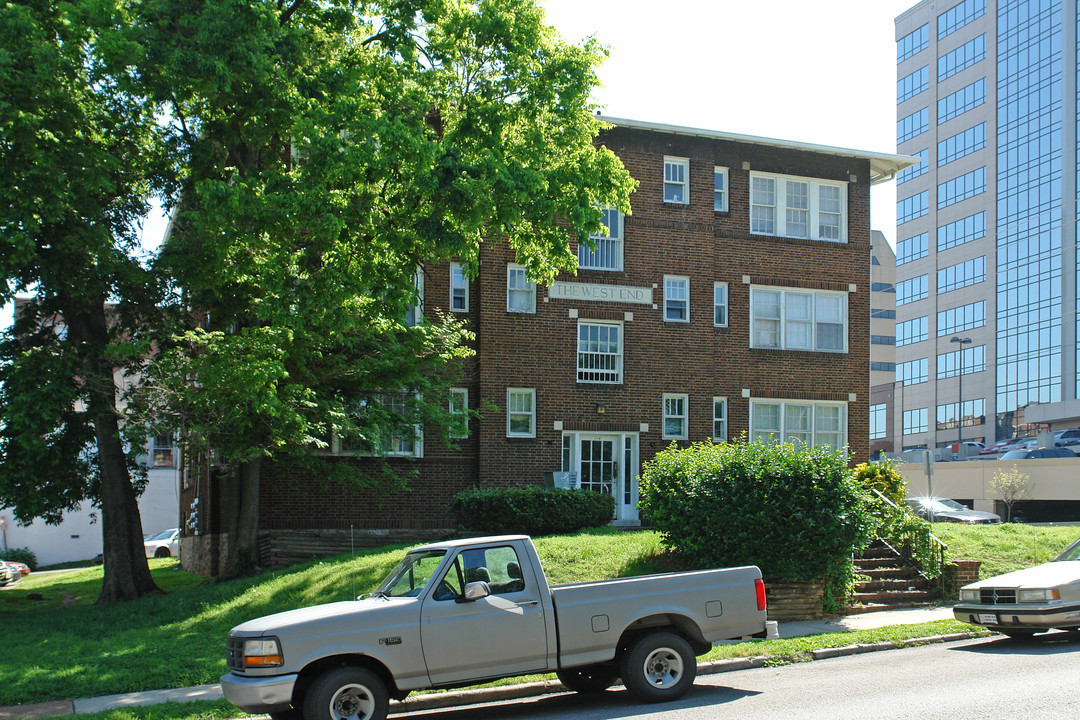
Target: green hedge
532 510
796 513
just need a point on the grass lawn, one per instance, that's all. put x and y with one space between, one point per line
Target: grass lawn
63 646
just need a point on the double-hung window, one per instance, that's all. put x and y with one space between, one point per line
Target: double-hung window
459 412
719 419
675 415
390 416
415 313
599 353
798 320
720 189
799 421
608 252
520 292
676 298
520 412
720 304
798 207
677 180
459 288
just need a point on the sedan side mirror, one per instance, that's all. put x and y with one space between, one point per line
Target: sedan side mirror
474 591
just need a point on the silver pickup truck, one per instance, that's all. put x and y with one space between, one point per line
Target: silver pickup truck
469 611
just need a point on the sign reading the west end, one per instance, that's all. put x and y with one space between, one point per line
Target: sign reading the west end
595 291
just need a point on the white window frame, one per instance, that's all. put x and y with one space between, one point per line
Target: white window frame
801 420
459 405
596 362
785 322
459 288
512 271
776 210
391 446
719 420
514 409
720 196
676 281
683 417
720 303
415 314
608 254
674 167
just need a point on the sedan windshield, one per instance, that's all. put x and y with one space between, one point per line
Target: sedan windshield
1072 553
942 505
411 575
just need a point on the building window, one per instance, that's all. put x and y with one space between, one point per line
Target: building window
912 372
798 320
882 339
720 304
913 207
959 102
961 58
959 319
608 254
798 207
163 455
911 331
911 289
974 413
520 412
912 125
794 421
915 170
913 43
876 366
520 292
675 416
958 16
948 364
883 313
961 275
677 180
676 298
459 412
961 188
911 85
961 144
599 353
914 421
415 313
720 189
459 288
961 231
719 419
878 421
395 435
912 248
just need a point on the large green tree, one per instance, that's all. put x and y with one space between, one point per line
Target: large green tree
333 149
78 157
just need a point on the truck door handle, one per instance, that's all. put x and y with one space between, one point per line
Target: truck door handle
528 602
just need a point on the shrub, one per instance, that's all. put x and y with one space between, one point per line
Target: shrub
795 512
895 523
23 555
884 477
532 510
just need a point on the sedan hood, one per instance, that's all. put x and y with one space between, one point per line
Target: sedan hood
1048 574
968 515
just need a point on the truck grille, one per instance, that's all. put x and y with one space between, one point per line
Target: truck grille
234 654
997 596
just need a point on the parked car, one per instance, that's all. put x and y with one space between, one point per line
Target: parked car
1064 438
23 568
164 544
7 575
1024 602
939 509
1052 452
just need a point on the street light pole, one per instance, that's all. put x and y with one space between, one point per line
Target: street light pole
960 394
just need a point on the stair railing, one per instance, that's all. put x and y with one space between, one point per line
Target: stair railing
939 546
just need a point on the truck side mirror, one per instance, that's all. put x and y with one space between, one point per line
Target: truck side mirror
474 591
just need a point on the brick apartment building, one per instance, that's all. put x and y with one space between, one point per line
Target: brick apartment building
734 299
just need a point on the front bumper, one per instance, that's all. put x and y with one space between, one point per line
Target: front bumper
259 695
1021 617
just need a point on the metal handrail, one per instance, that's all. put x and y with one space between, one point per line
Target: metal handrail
941 546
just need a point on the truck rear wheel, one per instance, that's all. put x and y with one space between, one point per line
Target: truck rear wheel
658 667
347 693
588 679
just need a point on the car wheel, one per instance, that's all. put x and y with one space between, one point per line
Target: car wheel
161 552
588 679
347 693
658 667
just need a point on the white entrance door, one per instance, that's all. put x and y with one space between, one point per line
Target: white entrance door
608 464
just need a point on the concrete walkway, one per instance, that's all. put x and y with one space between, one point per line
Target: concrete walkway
886 618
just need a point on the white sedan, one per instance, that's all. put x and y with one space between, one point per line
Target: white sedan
164 544
1022 603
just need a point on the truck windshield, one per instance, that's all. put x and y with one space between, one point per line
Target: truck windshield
409 576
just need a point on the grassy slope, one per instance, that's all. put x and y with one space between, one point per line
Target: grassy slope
177 639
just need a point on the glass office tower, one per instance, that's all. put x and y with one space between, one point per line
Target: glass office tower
986 250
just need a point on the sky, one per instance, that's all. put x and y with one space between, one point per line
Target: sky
822 73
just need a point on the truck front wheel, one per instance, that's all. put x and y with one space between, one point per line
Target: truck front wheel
588 679
347 693
658 667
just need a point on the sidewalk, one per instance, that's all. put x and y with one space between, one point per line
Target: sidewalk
907 616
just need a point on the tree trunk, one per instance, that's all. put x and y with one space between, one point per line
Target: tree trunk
242 553
127 574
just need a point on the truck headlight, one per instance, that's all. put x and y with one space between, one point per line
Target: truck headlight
969 595
264 652
1038 595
